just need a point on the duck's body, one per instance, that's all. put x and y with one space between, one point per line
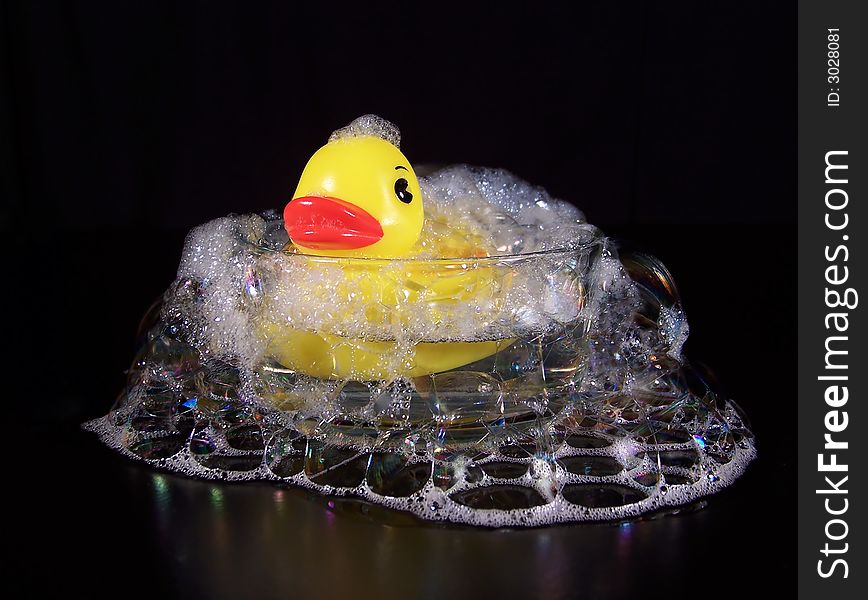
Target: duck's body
359 199
334 357
381 312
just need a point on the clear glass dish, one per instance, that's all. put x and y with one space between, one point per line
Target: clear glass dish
521 389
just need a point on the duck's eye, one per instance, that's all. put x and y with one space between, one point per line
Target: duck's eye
401 191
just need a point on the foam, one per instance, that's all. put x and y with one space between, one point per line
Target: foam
508 214
238 281
621 376
435 504
588 411
369 125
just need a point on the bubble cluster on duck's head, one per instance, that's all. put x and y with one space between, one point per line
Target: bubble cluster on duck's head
369 125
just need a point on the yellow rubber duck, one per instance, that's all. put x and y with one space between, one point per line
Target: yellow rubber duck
359 199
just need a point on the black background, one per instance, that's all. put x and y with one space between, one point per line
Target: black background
125 124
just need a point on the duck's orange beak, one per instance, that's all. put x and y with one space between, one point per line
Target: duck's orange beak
324 223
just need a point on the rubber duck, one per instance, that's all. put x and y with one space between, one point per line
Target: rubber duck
359 198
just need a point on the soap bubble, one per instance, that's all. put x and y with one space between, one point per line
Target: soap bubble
493 210
513 370
369 125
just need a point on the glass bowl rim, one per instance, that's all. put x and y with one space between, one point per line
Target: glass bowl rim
595 238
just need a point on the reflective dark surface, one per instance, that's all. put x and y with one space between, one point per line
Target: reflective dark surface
118 525
86 520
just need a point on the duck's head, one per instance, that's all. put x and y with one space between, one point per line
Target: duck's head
358 196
